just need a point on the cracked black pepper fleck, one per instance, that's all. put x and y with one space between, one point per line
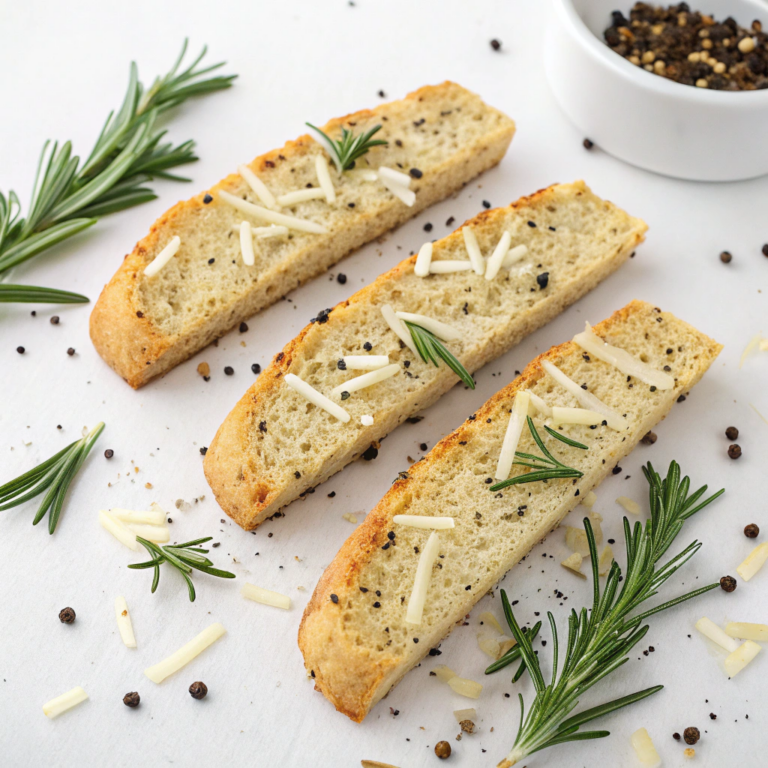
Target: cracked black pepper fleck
131 699
416 173
207 199
204 450
542 280
486 204
341 365
198 690
334 598
243 327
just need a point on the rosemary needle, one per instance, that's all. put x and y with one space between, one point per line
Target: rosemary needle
349 148
600 638
69 197
183 557
54 475
432 350
546 467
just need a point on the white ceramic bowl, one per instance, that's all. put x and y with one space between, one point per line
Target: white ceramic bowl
647 120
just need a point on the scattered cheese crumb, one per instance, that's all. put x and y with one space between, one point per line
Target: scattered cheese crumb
488 619
60 704
366 420
421 581
573 563
630 506
350 517
644 748
589 500
185 654
754 562
739 659
710 630
747 631
124 624
464 687
162 258
265 596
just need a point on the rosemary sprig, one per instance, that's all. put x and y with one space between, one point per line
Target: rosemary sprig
546 467
31 294
349 148
54 475
68 197
183 557
432 350
599 639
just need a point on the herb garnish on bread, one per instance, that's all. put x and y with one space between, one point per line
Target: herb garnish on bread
438 139
357 643
274 446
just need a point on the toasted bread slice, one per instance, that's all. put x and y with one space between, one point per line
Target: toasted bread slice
144 326
274 446
356 643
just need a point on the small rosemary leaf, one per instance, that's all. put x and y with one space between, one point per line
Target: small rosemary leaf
30 294
564 439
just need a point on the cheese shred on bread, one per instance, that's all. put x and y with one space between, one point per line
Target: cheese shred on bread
274 446
354 636
144 326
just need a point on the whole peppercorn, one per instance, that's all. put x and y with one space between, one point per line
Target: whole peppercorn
341 278
55 320
67 615
71 351
691 735
731 433
765 250
199 690
734 451
727 583
751 531
243 327
676 736
726 257
109 453
21 350
649 438
588 143
256 368
229 370
443 750
496 45
131 699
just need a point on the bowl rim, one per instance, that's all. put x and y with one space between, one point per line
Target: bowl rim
648 80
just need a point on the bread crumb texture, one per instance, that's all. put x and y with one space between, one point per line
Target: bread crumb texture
145 326
273 432
355 651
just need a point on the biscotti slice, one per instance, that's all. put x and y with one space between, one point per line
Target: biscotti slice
354 635
439 138
274 445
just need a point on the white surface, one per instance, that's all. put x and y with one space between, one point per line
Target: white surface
66 68
652 122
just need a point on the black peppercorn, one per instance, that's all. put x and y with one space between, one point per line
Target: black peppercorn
543 280
67 615
71 351
207 199
428 227
731 433
486 204
751 531
734 451
198 690
691 735
109 453
726 257
416 173
243 327
21 350
765 250
341 278
727 583
256 368
229 370
55 320
496 45
131 699
649 438
443 750
676 736
345 395
588 144
334 598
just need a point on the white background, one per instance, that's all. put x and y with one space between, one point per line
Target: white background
64 67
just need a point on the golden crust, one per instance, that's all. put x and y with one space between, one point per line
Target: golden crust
350 676
139 351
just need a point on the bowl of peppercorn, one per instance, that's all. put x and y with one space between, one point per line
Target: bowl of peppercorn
666 87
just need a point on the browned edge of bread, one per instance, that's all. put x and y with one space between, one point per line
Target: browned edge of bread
358 679
138 351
